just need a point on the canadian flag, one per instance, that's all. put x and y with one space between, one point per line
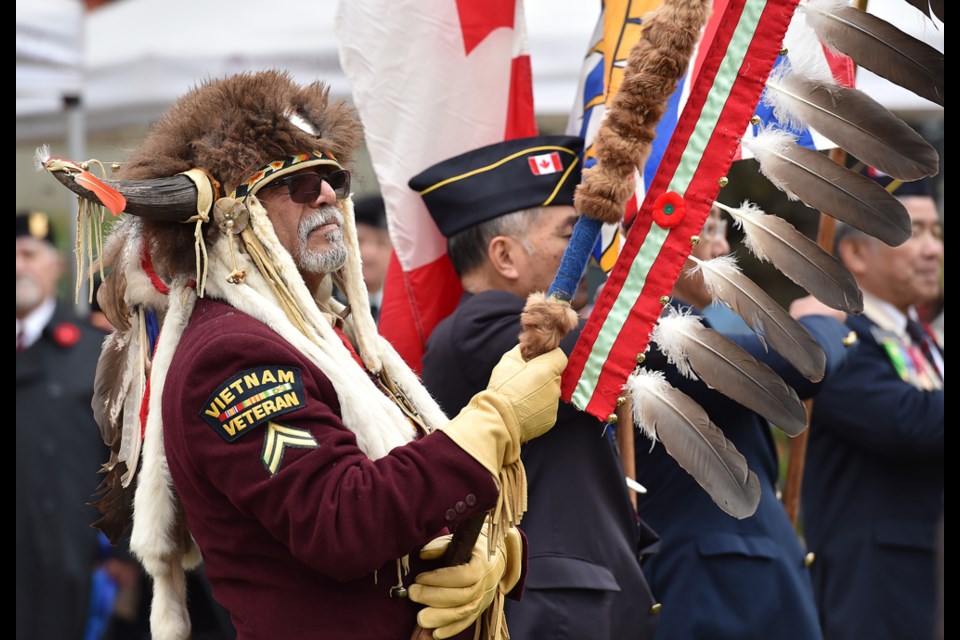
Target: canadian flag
545 163
409 127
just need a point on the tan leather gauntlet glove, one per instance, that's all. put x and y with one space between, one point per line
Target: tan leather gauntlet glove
519 404
456 596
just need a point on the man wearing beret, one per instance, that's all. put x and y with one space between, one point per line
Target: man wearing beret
873 482
506 210
58 446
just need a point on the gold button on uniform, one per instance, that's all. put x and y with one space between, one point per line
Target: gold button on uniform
809 558
655 608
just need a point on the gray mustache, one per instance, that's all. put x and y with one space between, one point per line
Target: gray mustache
319 218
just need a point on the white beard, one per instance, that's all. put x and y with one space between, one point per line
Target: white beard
29 294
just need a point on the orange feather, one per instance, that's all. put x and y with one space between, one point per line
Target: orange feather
108 196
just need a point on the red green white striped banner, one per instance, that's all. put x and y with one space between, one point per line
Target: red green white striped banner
704 143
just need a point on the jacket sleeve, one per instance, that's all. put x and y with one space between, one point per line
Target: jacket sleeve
338 511
870 406
829 334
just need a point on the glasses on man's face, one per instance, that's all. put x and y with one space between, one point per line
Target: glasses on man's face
305 187
714 229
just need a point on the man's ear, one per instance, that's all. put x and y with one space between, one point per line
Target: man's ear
853 254
502 253
59 263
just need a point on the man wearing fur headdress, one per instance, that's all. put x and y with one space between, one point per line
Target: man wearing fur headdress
283 439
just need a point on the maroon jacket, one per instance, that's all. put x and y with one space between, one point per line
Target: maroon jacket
299 529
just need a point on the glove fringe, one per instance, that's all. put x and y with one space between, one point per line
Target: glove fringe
494 626
511 505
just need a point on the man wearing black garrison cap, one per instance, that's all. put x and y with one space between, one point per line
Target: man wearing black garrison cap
873 481
506 210
58 445
374 242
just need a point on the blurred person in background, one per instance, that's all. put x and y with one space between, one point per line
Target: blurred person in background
58 444
873 480
718 577
375 247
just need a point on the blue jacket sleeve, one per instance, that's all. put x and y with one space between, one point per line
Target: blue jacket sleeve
869 405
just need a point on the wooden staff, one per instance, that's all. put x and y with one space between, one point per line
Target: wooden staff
798 445
624 437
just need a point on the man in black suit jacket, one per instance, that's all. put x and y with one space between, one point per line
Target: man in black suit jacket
58 445
584 578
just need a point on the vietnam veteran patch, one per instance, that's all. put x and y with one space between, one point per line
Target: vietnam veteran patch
251 398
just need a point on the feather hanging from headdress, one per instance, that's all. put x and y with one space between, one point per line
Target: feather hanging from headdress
771 238
120 382
768 319
698 445
829 187
118 390
853 120
877 45
725 366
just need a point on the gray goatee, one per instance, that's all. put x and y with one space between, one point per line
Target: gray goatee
326 260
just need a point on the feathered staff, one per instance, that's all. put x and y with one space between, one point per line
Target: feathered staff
737 61
654 67
617 333
622 144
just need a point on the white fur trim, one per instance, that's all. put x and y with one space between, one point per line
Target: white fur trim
154 537
365 328
169 618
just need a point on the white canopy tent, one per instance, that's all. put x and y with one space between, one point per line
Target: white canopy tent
139 55
49 54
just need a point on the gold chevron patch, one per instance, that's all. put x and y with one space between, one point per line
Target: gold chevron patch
276 440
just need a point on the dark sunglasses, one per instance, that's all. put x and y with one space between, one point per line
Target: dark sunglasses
305 187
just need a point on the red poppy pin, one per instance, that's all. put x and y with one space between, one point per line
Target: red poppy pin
66 334
669 209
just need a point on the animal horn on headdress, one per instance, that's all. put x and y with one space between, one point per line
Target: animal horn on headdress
172 199
877 45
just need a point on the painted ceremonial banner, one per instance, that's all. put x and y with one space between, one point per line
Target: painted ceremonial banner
431 79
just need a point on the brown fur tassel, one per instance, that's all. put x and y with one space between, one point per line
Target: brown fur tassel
654 68
545 322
